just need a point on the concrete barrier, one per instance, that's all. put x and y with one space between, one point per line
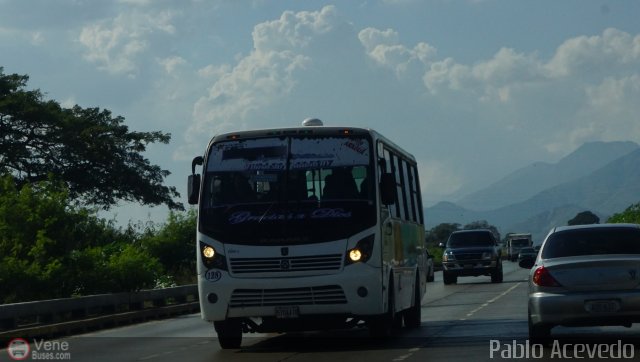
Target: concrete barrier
73 315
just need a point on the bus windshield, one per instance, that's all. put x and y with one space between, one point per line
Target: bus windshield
288 190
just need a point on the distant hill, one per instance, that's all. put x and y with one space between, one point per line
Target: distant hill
609 189
528 181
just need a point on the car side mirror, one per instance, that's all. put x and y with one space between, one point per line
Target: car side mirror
388 189
441 245
527 263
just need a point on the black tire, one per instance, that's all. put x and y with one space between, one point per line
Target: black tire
431 276
539 333
413 316
449 278
229 333
383 326
497 275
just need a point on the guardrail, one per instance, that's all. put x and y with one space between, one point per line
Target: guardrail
76 315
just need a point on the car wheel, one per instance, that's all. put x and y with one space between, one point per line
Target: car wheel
538 333
497 275
449 278
229 333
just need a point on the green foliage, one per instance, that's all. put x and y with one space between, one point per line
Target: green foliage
91 151
630 215
174 245
584 218
49 249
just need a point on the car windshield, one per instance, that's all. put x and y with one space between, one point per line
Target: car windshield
592 242
470 239
520 242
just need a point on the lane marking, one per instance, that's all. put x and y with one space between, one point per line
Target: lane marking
490 301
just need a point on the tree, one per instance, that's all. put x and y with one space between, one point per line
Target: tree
441 232
630 215
91 151
584 218
483 224
173 245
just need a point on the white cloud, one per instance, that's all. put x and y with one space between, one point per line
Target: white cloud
115 45
384 48
585 54
293 30
170 64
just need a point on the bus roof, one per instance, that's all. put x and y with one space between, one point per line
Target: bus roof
308 131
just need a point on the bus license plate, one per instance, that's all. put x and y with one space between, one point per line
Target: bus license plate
288 312
602 306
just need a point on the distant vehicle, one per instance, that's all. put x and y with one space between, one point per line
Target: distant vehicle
471 253
515 242
527 253
431 268
308 228
585 275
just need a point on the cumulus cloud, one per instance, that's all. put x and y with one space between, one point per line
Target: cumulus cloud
281 49
116 45
293 30
383 47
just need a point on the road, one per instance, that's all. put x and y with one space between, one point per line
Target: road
473 320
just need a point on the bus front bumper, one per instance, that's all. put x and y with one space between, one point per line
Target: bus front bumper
356 290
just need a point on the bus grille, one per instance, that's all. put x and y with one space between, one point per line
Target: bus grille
286 264
328 294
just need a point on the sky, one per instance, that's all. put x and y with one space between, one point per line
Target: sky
475 89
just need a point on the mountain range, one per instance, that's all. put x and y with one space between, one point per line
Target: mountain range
601 177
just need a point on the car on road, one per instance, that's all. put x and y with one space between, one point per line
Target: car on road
585 275
527 253
471 253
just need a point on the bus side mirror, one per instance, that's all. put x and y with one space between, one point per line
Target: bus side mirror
193 182
388 189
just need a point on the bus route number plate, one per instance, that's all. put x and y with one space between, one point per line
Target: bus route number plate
288 312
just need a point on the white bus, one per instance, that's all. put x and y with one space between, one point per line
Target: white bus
308 228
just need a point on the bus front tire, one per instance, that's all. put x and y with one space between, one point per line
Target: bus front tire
413 316
383 326
229 333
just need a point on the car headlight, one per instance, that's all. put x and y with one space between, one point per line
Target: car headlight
448 256
487 256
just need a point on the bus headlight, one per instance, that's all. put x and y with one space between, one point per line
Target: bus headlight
362 251
208 252
211 258
355 255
